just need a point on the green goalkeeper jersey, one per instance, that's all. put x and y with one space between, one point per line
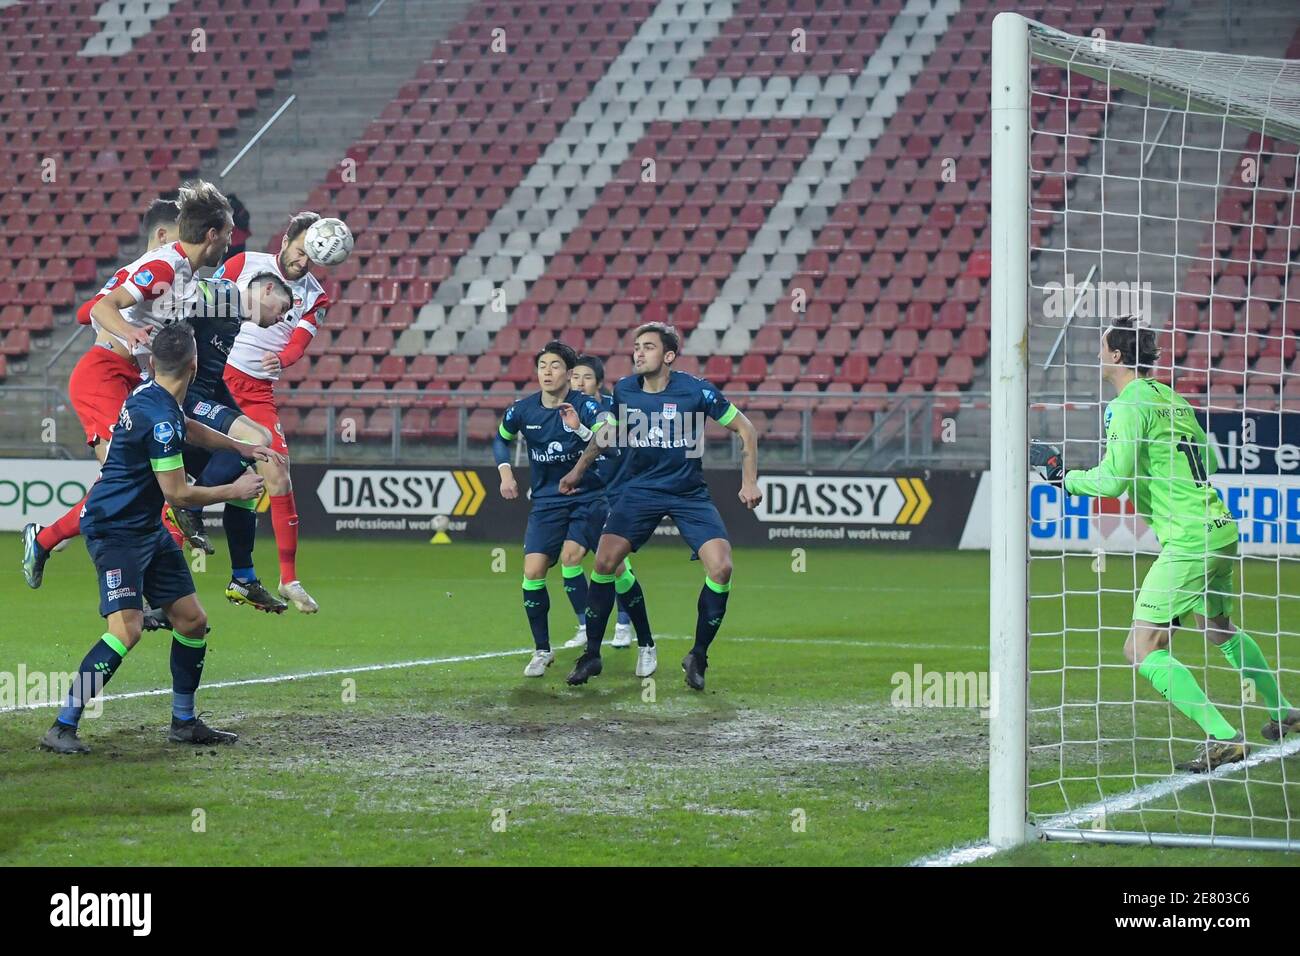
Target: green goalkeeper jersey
1157 451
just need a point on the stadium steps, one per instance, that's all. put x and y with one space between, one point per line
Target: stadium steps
340 88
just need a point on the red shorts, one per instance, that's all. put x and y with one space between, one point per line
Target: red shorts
256 399
100 384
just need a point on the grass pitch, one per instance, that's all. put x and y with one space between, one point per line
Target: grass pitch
424 743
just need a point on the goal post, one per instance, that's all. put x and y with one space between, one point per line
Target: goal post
1112 165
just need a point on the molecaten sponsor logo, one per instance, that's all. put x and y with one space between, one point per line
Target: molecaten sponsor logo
75 909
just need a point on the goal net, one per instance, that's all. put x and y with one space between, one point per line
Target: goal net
1140 181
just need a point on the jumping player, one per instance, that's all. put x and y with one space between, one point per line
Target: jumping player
257 358
140 298
660 420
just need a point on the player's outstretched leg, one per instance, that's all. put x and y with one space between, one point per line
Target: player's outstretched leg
537 607
710 609
97 669
34 556
189 648
575 588
1147 647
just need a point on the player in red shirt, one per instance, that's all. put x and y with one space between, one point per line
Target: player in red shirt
256 360
140 298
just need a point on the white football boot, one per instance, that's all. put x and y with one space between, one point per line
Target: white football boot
622 635
647 661
540 661
297 595
579 639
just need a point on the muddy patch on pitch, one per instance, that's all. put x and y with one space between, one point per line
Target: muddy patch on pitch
631 754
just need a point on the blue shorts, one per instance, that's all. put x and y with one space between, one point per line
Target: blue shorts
554 522
213 413
135 566
638 512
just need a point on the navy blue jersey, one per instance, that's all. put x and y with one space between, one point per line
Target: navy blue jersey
215 317
147 438
609 465
552 446
661 432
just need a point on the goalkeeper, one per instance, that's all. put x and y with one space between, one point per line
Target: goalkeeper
1157 452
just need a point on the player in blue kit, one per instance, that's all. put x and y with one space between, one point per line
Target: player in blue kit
216 315
561 527
660 418
587 377
134 556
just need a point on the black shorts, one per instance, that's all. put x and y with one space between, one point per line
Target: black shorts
131 567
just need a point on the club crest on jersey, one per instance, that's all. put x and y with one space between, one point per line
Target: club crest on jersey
1106 426
113 578
143 278
202 408
297 302
163 433
670 411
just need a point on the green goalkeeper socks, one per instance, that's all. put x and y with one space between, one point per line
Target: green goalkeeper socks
1178 686
1244 654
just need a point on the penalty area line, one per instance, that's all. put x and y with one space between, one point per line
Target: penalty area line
1120 803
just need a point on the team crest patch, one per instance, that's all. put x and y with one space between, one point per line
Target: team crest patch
670 411
143 277
163 433
113 578
202 408
297 302
110 284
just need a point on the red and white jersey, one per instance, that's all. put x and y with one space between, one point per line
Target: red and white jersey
162 284
253 341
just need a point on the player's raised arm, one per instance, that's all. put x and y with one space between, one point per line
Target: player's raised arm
180 494
1116 472
200 435
502 442
595 445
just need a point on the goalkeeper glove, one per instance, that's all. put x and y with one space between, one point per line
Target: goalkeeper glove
1048 462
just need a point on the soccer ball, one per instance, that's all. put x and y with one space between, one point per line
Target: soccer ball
328 242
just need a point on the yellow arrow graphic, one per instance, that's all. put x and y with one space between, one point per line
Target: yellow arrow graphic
925 500
909 504
479 493
466 492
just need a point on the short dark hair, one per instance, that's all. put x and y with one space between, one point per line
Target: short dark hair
202 208
668 336
300 224
161 212
555 347
596 365
1138 346
275 280
172 347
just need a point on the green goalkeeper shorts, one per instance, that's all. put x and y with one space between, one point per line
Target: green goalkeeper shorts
1180 583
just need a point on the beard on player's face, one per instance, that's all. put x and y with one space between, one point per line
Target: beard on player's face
293 261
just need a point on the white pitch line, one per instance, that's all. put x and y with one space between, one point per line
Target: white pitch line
430 661
1121 803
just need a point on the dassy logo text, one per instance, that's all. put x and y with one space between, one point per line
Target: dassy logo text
28 495
75 908
395 492
26 690
843 500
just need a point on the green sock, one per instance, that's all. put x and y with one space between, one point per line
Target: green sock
1179 686
1244 654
